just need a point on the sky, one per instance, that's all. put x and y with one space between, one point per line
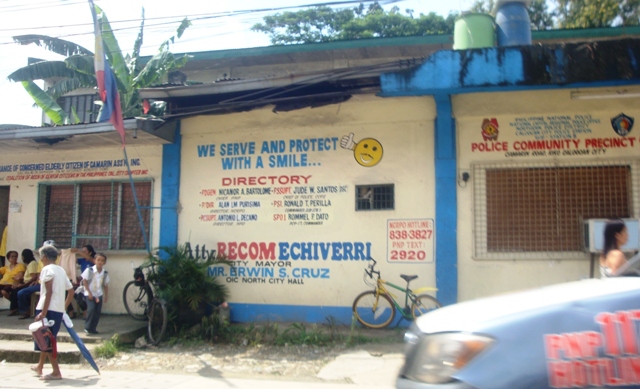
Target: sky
217 25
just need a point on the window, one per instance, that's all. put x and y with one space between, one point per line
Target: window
538 211
374 197
102 214
83 106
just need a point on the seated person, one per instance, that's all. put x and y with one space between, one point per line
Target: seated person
29 277
24 295
11 273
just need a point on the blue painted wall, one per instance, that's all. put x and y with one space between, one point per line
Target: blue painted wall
446 202
251 313
500 69
171 157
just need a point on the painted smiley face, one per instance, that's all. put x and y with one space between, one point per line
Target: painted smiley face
368 152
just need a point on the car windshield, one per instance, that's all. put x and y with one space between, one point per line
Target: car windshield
630 269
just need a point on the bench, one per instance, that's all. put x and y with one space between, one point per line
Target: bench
35 296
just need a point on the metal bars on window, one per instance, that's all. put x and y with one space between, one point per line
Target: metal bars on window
82 105
102 214
375 197
536 210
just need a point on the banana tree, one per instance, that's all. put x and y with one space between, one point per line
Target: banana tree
76 71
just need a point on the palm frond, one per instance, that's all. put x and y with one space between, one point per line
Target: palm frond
157 67
113 52
74 116
46 103
41 71
131 104
83 64
138 44
56 45
67 85
183 26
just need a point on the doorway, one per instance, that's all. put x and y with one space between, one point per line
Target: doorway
4 213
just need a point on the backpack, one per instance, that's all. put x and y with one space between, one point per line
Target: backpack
138 276
90 276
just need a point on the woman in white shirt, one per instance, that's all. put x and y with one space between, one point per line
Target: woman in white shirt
52 305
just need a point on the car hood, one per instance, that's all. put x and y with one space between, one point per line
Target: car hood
472 315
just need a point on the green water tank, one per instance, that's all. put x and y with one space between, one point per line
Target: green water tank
474 31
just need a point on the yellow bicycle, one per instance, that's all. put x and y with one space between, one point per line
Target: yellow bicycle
377 308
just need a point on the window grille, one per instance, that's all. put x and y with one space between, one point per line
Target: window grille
102 214
374 197
83 105
537 211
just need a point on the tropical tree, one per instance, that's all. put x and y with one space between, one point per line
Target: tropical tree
540 16
587 13
482 6
325 24
630 12
77 71
576 13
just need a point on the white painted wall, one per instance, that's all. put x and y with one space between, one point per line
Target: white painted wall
24 189
404 128
482 277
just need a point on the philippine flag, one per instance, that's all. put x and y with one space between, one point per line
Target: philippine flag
111 110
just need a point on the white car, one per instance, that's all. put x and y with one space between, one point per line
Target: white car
582 334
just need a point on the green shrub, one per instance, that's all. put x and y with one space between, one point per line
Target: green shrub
184 283
109 348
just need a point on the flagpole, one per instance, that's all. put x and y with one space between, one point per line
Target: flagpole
111 110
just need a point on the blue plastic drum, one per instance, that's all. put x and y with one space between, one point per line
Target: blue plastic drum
513 24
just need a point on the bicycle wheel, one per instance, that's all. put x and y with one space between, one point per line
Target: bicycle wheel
136 301
424 304
157 324
374 310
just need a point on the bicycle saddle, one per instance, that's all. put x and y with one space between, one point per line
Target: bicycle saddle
408 278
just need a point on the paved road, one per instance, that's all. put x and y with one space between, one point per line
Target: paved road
20 377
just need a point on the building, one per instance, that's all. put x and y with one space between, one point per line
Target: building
331 154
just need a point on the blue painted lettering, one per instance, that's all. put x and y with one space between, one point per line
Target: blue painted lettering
206 151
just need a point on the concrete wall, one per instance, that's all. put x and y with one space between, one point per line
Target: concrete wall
317 187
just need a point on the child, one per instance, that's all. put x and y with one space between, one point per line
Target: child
96 289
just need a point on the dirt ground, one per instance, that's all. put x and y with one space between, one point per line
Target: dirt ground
300 363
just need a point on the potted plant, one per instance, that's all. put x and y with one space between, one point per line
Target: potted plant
184 283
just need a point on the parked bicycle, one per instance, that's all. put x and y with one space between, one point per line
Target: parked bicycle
141 304
377 308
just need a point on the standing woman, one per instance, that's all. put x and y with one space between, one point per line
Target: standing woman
30 277
615 236
52 305
85 257
12 274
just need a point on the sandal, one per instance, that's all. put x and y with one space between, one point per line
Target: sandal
35 370
50 377
25 316
13 313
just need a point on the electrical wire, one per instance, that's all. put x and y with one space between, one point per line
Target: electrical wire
270 94
206 16
150 27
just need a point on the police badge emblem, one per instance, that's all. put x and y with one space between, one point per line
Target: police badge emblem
622 124
490 129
